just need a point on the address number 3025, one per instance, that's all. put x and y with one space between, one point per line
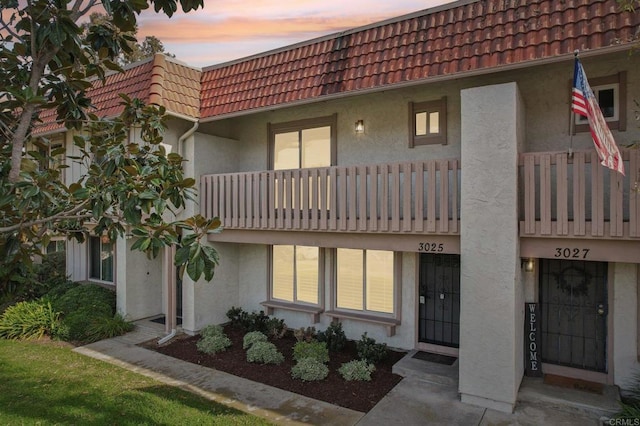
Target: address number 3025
431 247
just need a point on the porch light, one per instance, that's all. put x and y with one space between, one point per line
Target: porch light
359 128
528 264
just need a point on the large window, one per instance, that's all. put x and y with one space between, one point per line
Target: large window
295 274
303 143
365 281
101 259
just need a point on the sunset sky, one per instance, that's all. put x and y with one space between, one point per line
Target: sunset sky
232 29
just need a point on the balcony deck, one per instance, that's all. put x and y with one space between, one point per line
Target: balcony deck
567 196
561 196
411 198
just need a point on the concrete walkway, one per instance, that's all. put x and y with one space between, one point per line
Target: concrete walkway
411 402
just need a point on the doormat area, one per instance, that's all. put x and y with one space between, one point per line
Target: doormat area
160 320
577 384
437 358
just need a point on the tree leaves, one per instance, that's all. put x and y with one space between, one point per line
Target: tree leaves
120 186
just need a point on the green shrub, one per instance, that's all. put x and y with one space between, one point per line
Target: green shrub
315 350
252 337
356 370
305 334
76 324
102 301
106 327
309 370
276 328
264 353
630 403
51 272
60 289
334 337
238 317
212 344
29 320
255 321
19 283
212 330
371 351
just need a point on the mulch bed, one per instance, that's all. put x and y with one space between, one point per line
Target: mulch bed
359 396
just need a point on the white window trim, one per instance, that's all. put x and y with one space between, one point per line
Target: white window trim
397 280
115 269
298 306
579 119
619 121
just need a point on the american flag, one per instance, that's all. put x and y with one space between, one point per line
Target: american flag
584 102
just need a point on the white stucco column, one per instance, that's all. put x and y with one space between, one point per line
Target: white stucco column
625 323
138 282
492 296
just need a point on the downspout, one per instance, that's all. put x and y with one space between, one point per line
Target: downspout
170 281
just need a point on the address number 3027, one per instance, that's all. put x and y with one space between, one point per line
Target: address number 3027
571 253
431 247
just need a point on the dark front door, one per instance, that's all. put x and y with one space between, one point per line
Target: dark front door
439 299
573 313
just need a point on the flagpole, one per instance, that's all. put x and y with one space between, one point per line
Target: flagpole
572 126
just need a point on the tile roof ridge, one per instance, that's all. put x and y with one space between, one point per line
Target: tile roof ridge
336 35
177 61
125 68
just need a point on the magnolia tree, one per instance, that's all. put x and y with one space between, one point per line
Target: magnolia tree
47 57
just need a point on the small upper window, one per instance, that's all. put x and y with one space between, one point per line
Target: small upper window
428 123
611 94
51 153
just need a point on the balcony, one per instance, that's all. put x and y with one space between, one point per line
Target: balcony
576 197
561 196
419 197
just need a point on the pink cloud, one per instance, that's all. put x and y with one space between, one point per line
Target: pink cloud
239 28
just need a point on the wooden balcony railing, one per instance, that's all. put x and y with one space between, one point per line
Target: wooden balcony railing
577 197
411 197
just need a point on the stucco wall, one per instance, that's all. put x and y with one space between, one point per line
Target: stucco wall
545 91
491 297
625 324
247 288
206 303
138 282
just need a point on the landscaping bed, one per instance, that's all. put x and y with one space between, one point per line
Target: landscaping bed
356 395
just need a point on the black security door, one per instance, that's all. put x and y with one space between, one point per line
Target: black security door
573 308
439 299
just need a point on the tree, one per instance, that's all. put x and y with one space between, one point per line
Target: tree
629 5
138 51
46 61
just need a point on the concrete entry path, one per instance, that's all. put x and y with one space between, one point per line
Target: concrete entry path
411 402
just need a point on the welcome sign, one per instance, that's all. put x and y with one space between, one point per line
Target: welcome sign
533 366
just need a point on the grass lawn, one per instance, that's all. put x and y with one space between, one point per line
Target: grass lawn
49 384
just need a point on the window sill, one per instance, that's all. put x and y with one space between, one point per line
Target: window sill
389 323
314 311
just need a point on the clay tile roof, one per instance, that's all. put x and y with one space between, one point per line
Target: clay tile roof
159 80
462 37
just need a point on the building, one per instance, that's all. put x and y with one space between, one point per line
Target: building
418 179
